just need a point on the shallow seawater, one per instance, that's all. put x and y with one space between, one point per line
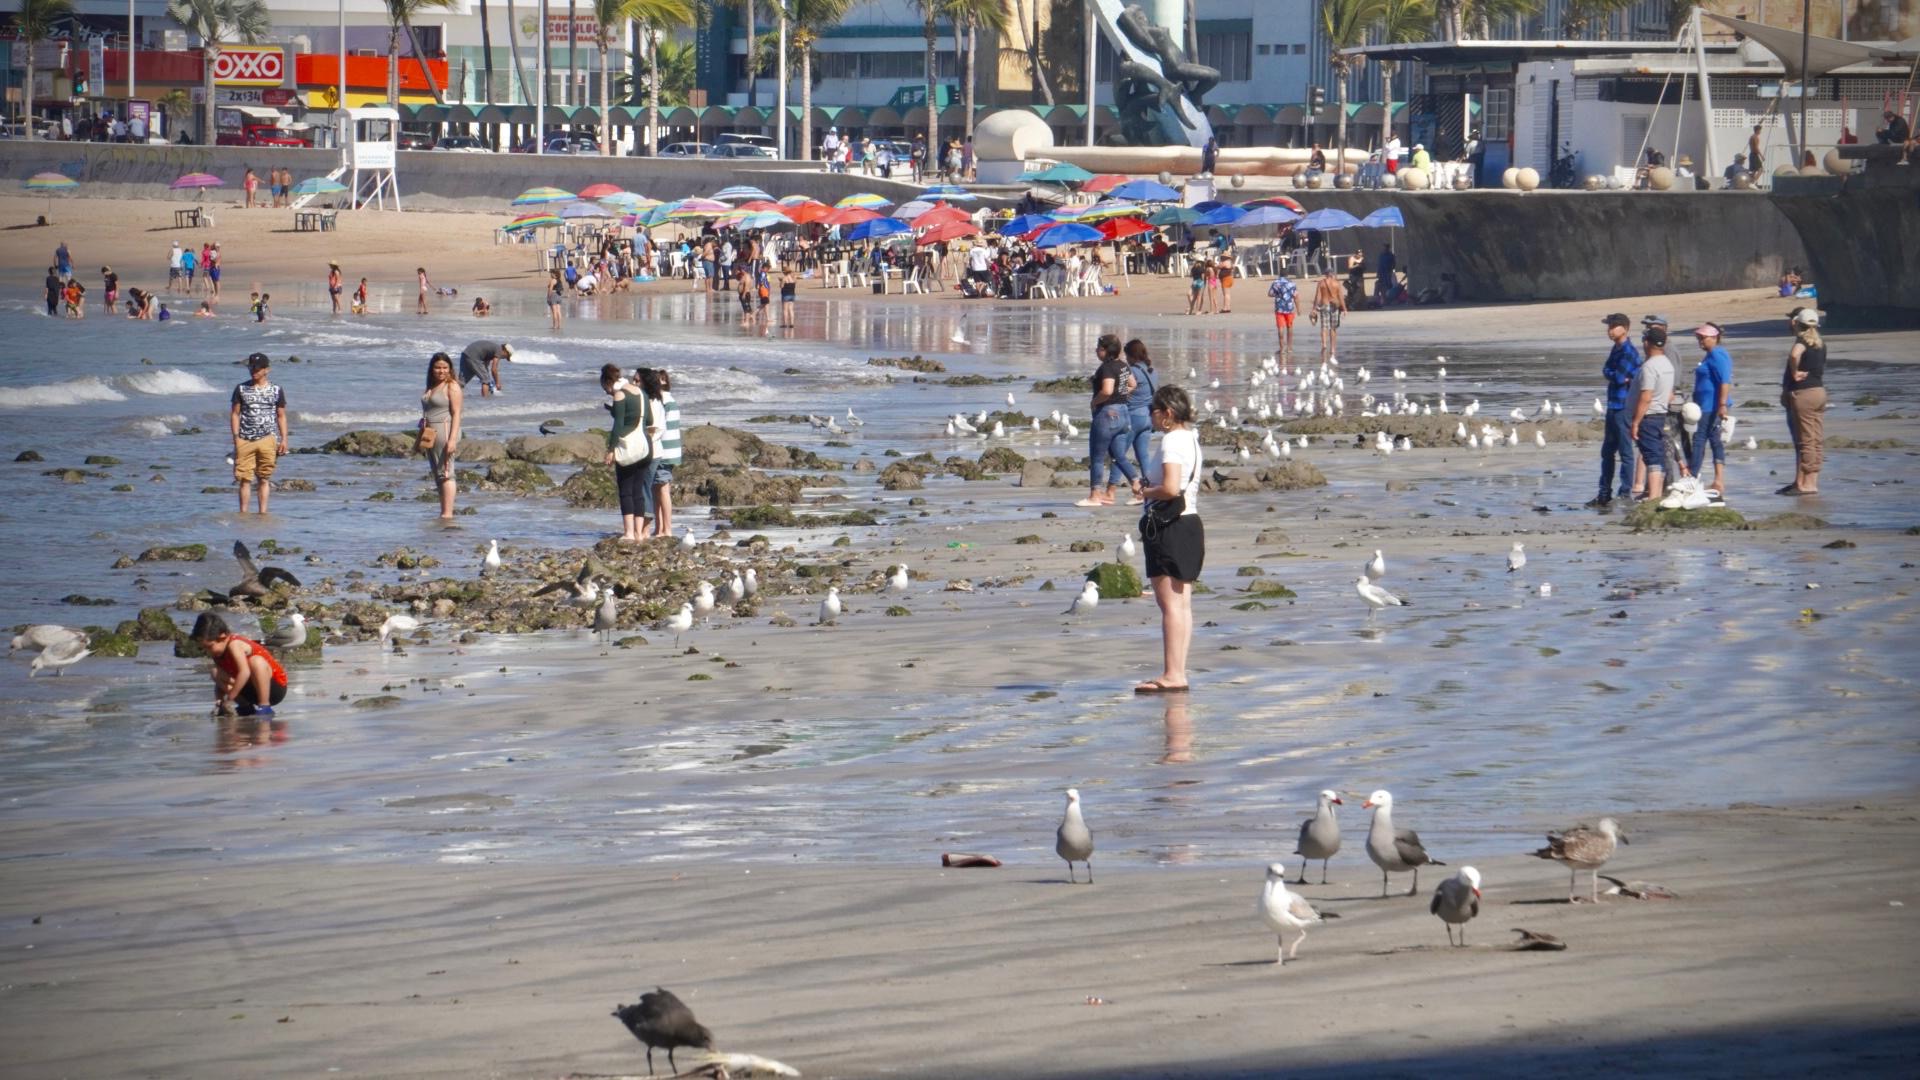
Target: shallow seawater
1698 673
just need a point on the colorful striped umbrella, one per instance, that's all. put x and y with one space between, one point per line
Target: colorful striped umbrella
953 192
909 211
863 201
629 202
741 191
1287 201
51 181
541 196
656 216
1112 208
197 180
765 219
799 200
539 219
319 185
689 209
601 191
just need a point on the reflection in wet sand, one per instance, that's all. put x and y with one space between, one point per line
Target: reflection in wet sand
233 736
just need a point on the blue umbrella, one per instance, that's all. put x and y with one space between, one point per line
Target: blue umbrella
1061 173
1144 191
1329 218
953 192
1071 232
1025 224
1209 205
1266 215
1225 215
1387 217
877 228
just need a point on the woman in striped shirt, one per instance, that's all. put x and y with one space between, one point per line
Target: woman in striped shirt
665 428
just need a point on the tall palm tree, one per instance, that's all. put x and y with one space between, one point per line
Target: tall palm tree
513 49
610 14
1345 24
400 15
1579 15
1476 17
975 15
33 24
486 51
806 21
929 9
1400 21
1029 25
217 23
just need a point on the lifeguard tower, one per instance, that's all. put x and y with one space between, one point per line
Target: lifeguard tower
373 136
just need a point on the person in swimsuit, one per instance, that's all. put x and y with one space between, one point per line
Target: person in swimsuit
788 293
1329 305
360 298
211 261
556 298
334 285
111 282
247 680
440 410
420 308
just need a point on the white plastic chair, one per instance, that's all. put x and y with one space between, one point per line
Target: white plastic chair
839 277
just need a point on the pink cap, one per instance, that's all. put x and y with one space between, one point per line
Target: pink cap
1707 330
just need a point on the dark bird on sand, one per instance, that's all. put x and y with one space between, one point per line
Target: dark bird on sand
663 1021
579 588
256 580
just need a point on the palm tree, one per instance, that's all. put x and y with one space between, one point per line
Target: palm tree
1030 46
34 24
975 15
1476 17
1579 15
806 21
216 23
486 50
400 15
928 10
513 48
1400 21
1345 24
609 14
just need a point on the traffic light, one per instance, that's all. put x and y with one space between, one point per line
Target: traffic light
1316 98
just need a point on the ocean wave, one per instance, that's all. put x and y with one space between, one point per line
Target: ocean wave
538 359
166 381
477 412
81 391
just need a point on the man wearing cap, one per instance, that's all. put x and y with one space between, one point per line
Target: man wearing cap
1650 394
1422 159
1623 362
1713 392
258 418
481 360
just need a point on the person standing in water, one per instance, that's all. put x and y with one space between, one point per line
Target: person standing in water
664 428
420 306
440 414
258 418
1176 543
247 680
1329 307
335 285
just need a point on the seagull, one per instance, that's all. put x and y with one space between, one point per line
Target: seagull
1088 599
45 636
397 624
61 655
999 430
1460 432
256 581
291 631
735 590
1009 399
679 622
751 583
959 335
1546 589
686 540
606 617
830 607
1516 558
1127 548
1376 567
1583 848
1284 911
578 587
1376 597
589 598
1752 443
703 600
1286 449
663 1020
961 423
1394 851
1457 901
898 580
1599 406
1539 438
491 564
1319 836
1074 841
854 421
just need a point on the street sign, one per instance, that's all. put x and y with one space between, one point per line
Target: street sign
97 66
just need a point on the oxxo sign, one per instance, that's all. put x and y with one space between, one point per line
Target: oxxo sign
250 65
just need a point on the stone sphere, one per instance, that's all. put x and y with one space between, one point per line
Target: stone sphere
1528 179
1415 179
1343 181
1660 178
1011 135
1594 182
1742 181
1299 180
1510 178
1166 177
1462 182
1836 164
1239 180
1786 170
1316 180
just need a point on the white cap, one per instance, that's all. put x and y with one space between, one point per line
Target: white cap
1690 415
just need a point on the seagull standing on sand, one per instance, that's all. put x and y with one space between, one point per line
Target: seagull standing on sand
736 590
491 563
703 601
680 622
1375 597
1394 851
898 581
751 583
1516 558
1074 841
687 541
663 1020
1127 548
1584 848
290 631
61 655
1376 567
397 624
1319 836
44 636
1284 911
830 607
606 617
1457 901
1088 599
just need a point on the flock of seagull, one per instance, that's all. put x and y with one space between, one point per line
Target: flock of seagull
1456 901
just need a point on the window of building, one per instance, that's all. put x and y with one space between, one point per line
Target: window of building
1264 50
1496 114
1231 54
1300 49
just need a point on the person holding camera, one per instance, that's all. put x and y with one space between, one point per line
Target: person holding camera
1176 544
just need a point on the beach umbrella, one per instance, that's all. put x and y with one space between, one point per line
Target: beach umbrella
655 216
689 209
1225 215
1287 201
761 204
1266 215
941 215
584 210
50 184
1025 224
629 202
1103 183
740 192
1061 173
541 196
863 201
1387 217
198 181
948 230
909 211
601 191
850 215
875 228
764 219
1145 191
1121 228
1174 215
809 212
1327 219
1069 232
319 185
949 191
538 219
798 200
1112 208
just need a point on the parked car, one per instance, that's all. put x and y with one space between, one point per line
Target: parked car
257 135
686 149
561 144
728 138
465 144
413 140
741 150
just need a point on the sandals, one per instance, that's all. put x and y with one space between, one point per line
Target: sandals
1092 503
1155 686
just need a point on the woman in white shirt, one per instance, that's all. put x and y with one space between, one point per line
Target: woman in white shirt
1176 549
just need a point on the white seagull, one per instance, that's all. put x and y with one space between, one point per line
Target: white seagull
606 617
736 590
1088 599
491 564
680 622
1516 558
1376 567
44 636
291 631
397 624
752 583
686 540
830 607
1127 548
1283 911
1457 901
959 335
703 601
1375 597
898 581
1073 841
61 655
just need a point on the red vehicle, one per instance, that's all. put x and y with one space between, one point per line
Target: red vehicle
258 135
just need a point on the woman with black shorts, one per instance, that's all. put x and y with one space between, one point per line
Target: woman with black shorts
1175 542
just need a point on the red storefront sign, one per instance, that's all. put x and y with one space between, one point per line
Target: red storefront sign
250 65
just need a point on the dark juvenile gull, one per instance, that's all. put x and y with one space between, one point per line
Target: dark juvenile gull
663 1021
1074 841
1394 851
1457 901
1583 847
1320 836
254 580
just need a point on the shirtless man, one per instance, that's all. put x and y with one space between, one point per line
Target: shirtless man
1329 305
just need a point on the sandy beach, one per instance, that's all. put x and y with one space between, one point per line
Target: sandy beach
453 860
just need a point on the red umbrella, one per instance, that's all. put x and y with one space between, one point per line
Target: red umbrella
851 215
600 191
1121 228
1277 200
1103 183
807 213
941 215
759 205
948 230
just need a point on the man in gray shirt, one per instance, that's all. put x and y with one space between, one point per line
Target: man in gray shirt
1650 394
481 360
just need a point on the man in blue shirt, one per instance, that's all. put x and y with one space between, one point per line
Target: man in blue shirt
1283 293
1623 363
1713 392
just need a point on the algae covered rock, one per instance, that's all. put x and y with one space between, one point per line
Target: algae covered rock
1116 581
592 487
580 448
175 553
382 444
522 477
1647 516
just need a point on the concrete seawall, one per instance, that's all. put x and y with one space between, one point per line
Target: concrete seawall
1863 239
1500 245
